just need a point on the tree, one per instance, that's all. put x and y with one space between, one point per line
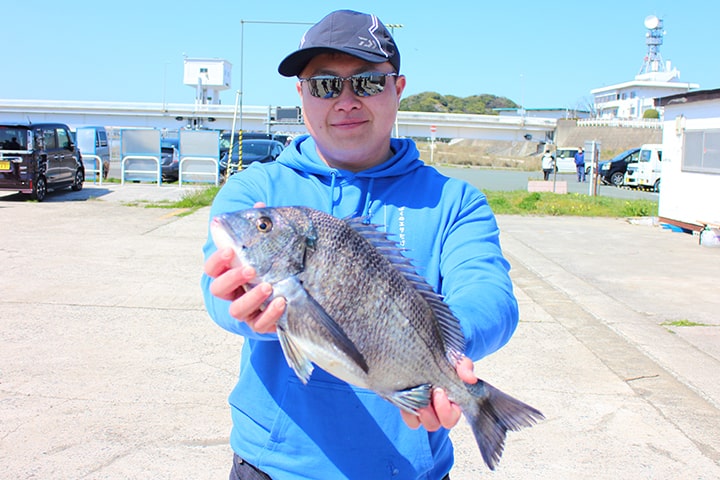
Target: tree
475 104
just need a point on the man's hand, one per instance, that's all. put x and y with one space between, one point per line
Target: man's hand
231 282
441 412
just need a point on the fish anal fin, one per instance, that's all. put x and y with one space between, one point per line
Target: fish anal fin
411 399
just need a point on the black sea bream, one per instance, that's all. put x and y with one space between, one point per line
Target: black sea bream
357 309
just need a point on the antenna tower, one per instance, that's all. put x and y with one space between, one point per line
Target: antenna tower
653 62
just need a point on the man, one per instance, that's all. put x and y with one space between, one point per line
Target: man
548 164
349 81
580 164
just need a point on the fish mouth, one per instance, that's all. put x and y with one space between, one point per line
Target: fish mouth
223 235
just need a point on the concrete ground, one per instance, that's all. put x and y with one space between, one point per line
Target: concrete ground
110 368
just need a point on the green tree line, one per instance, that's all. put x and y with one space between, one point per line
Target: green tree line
435 102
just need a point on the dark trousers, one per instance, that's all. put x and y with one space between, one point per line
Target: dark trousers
241 470
581 172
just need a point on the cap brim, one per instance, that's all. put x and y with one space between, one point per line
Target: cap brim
294 63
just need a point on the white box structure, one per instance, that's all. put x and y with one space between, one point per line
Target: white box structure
208 76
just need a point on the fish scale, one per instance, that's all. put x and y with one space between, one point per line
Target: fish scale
356 308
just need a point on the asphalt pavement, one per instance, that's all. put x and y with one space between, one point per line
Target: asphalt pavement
110 367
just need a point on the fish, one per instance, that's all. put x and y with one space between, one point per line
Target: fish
357 308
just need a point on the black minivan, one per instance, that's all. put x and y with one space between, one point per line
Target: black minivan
38 157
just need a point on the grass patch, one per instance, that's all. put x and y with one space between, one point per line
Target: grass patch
520 202
190 202
685 323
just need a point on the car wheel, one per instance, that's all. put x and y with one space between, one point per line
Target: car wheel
656 187
39 189
617 178
78 183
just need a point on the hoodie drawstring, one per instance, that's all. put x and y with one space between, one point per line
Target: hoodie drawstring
368 201
333 176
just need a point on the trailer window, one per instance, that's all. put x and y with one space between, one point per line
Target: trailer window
701 151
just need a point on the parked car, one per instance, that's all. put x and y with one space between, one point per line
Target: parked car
170 159
646 172
612 172
565 160
38 157
93 142
253 150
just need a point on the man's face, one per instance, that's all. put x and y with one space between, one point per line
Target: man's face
351 132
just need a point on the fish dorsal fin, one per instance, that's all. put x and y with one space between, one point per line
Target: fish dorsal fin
449 325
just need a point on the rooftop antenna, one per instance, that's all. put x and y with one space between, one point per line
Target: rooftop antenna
653 62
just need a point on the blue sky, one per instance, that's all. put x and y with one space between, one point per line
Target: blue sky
540 53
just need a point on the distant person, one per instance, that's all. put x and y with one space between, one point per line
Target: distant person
548 164
580 164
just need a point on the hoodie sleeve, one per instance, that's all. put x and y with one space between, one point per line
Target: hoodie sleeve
475 275
239 192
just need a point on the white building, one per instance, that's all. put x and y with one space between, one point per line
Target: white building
657 79
691 160
629 100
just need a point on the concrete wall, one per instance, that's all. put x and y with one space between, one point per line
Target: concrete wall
613 139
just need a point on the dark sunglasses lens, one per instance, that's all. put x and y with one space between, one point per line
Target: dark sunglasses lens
367 85
325 87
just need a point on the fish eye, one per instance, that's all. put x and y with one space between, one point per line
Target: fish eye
264 224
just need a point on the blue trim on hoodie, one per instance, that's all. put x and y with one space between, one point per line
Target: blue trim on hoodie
327 428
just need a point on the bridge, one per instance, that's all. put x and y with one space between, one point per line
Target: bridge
174 116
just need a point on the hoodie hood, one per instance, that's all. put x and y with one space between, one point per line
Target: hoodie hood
302 155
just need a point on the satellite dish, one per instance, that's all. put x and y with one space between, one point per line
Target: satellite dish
651 21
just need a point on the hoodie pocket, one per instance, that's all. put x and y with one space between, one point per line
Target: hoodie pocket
341 431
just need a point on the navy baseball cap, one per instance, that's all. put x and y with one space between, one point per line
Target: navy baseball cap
358 34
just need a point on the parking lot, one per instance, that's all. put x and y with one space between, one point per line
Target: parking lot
111 368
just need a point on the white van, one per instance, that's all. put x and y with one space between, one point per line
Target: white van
646 172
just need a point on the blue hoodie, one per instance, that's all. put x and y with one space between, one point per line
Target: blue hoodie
327 428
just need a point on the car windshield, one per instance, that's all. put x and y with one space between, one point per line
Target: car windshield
564 153
256 148
645 155
12 138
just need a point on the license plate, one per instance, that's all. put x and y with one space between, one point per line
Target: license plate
4 165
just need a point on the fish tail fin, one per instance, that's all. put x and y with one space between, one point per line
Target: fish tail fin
492 415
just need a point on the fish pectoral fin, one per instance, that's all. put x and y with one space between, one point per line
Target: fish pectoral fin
412 399
295 357
336 333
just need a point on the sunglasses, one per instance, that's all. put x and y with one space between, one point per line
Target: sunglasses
364 84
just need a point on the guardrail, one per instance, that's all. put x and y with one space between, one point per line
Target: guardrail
157 171
614 122
99 167
214 174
